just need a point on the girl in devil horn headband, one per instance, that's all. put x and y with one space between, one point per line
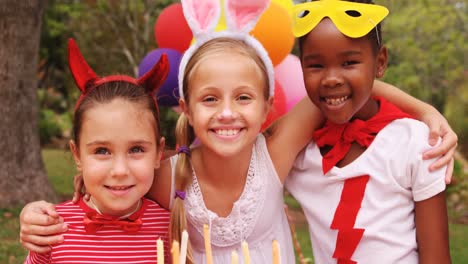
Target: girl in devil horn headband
117 145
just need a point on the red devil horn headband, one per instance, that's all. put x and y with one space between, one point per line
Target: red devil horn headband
86 79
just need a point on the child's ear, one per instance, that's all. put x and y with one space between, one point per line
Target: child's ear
160 151
185 110
382 60
76 154
268 107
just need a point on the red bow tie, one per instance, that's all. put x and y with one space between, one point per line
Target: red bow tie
340 137
94 222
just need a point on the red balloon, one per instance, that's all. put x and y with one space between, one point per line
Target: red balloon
171 29
279 106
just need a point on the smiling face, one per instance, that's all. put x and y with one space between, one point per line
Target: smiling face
339 72
117 154
226 102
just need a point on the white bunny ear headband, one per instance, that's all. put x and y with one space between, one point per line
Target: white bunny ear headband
241 17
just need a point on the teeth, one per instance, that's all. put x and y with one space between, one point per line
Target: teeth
336 101
118 188
227 132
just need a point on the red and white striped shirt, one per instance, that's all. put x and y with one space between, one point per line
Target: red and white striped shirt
110 244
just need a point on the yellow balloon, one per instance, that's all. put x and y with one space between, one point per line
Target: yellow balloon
286 4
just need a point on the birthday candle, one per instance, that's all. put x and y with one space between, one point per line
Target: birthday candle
234 257
206 234
276 252
245 252
183 247
160 249
175 252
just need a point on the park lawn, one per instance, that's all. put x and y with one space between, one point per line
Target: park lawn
59 165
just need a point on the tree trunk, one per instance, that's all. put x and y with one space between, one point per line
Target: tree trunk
22 174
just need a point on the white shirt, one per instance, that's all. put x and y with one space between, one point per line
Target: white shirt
398 178
258 217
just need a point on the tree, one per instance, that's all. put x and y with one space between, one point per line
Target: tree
22 173
426 41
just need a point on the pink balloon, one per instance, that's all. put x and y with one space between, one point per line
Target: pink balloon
289 75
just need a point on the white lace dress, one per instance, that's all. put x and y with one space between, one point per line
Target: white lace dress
258 217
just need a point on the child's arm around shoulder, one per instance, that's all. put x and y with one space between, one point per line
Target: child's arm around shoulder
438 125
291 133
405 141
41 226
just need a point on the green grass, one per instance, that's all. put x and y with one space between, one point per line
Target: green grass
60 168
458 243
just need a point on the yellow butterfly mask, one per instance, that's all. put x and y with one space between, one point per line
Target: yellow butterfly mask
354 20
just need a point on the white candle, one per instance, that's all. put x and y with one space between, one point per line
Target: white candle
175 252
234 257
183 247
160 249
245 252
206 234
276 252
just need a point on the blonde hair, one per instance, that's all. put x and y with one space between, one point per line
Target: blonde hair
184 132
223 45
183 178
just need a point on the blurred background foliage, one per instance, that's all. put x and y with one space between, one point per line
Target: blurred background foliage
427 51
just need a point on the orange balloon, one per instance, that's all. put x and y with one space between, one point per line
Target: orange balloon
274 31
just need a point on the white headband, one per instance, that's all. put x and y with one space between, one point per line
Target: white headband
241 17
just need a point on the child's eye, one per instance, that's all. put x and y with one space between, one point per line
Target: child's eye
209 99
136 149
244 97
350 62
101 151
315 65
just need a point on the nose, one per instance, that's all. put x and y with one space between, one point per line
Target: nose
120 166
227 112
332 79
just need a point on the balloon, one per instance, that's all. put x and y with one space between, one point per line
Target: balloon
171 29
168 94
286 4
278 109
274 31
289 74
